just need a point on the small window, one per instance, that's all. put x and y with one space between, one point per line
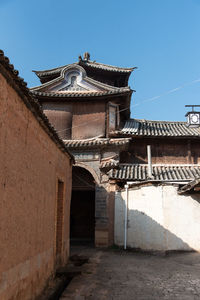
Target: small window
113 116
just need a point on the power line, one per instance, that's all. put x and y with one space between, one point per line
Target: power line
169 92
97 118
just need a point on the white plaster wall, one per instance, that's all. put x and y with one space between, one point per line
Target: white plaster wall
158 219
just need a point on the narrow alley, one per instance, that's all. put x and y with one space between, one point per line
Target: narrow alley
116 274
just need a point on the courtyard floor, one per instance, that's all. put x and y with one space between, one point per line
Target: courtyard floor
117 274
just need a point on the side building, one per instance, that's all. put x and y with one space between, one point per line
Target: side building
89 105
35 193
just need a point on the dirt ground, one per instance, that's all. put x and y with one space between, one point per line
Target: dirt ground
116 274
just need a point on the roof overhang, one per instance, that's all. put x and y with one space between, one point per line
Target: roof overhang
191 186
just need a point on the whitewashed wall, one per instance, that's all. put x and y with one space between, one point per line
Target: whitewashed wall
158 219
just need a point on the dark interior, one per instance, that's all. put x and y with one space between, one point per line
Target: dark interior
82 214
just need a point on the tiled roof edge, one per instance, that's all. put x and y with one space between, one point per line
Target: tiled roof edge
96 65
155 121
44 73
160 165
157 129
160 172
96 142
78 94
20 86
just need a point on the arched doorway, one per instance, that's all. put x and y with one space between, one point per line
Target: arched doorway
82 213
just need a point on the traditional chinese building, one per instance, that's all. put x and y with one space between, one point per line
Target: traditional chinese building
89 105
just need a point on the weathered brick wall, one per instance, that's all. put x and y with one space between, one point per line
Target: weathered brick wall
60 116
88 120
80 120
30 166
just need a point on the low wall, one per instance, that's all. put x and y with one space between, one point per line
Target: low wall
158 219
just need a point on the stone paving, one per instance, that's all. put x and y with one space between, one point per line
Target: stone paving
116 274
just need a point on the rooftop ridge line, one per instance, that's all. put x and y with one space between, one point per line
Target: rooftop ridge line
87 63
155 121
162 165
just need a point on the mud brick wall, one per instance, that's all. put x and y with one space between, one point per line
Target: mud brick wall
30 166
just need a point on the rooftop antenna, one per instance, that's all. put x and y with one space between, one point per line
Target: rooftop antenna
193 105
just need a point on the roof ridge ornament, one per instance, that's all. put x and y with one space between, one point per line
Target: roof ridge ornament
86 56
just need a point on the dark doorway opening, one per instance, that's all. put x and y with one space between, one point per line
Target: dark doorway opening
82 215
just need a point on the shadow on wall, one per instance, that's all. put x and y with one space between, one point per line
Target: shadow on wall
157 222
145 233
195 196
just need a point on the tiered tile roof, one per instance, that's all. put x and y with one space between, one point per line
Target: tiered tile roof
134 127
88 63
139 172
82 94
96 65
111 163
96 142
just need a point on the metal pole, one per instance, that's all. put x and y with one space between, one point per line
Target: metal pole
149 161
125 217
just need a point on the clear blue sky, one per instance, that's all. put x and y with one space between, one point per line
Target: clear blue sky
160 37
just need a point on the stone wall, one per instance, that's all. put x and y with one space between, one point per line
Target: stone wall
31 165
158 219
